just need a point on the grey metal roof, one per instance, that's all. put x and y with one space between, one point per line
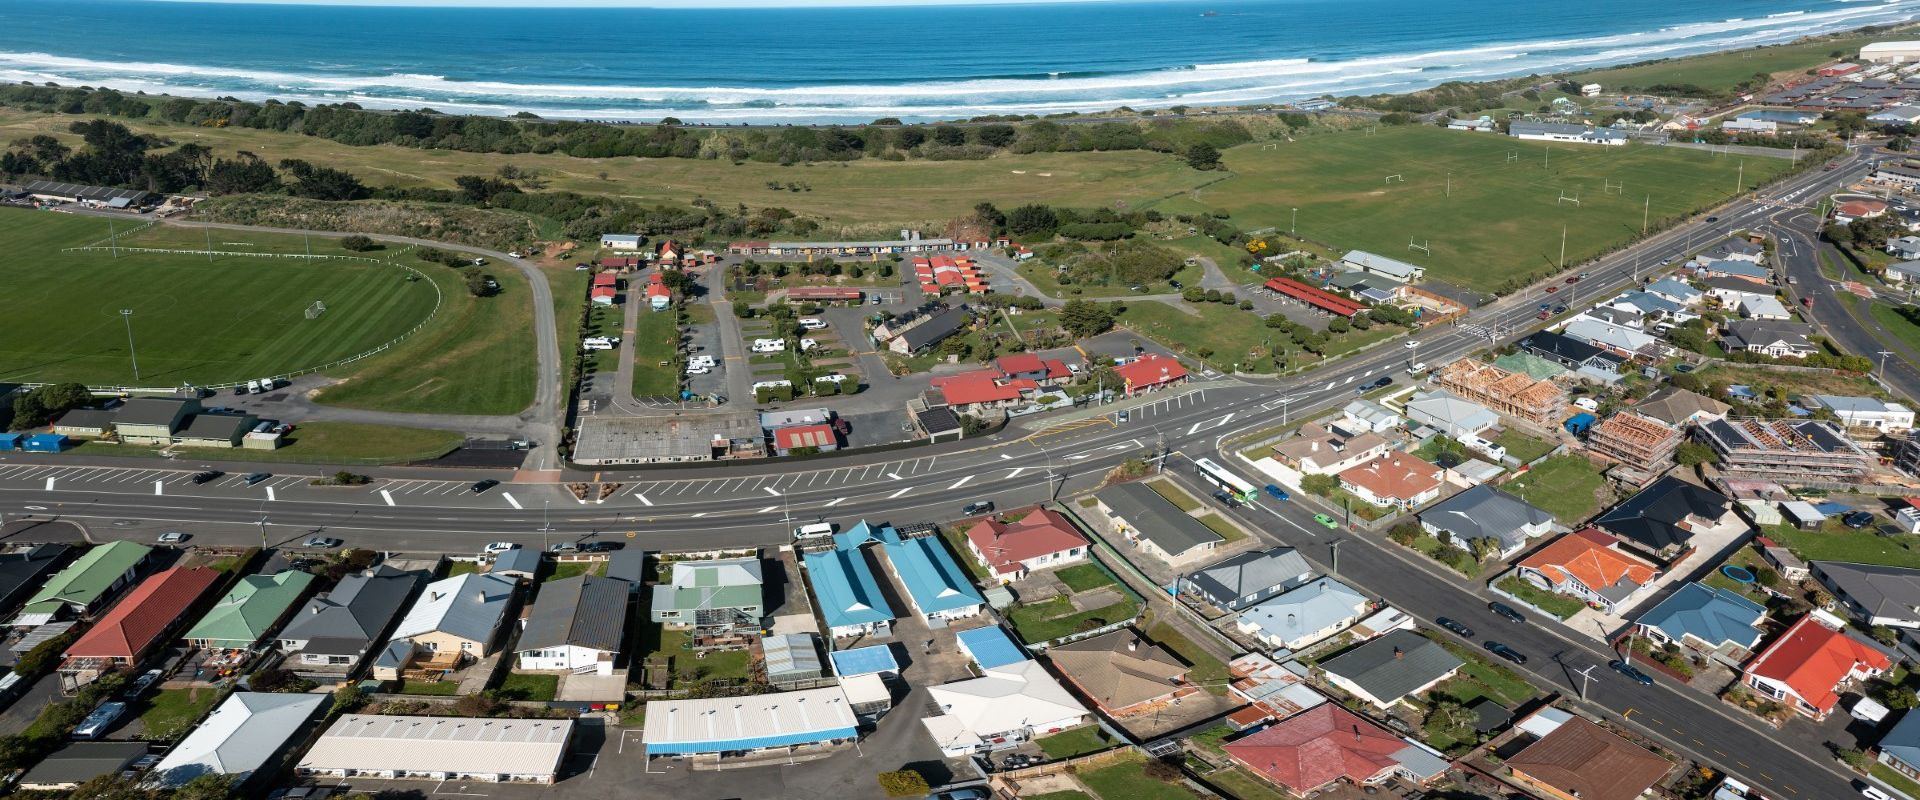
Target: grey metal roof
358 609
1903 741
85 192
1882 591
517 560
940 325
792 655
1394 665
100 418
469 606
238 737
1484 512
1316 606
22 570
79 762
151 410
1157 520
215 426
583 611
628 565
1249 573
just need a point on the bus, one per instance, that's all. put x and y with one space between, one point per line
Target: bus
1225 481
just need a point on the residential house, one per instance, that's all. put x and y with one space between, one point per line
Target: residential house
1006 705
1899 749
1030 366
252 609
1640 442
1123 674
521 564
1679 407
1570 352
1155 524
84 585
1391 668
1580 760
1674 291
238 738
727 594
1591 567
1785 451
333 633
76 763
1042 539
1618 340
388 747
23 568
1864 412
1319 450
1304 615
1906 248
981 390
1367 416
457 618
1871 593
1663 517
1736 250
1777 338
1248 579
137 626
1450 414
1808 666
1710 268
1705 620
930 329
577 625
1484 513
1395 480
1766 307
1327 745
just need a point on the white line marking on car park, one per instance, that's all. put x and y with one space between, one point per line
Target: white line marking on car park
643 500
510 500
387 496
157 487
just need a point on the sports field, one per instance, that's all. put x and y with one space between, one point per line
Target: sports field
194 321
1509 199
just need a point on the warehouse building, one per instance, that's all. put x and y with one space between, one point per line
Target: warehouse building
605 440
784 721
90 196
1563 132
440 749
1890 52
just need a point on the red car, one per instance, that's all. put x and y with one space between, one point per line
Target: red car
1544 314
1552 289
1573 280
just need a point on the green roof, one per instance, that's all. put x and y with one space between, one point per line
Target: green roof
88 577
1530 365
246 614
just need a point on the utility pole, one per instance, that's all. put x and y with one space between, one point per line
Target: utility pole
263 524
1547 161
1646 212
1335 547
546 524
1883 364
1586 677
1449 184
126 315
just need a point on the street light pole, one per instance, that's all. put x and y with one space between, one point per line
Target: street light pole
1586 677
1335 547
126 315
1295 227
546 523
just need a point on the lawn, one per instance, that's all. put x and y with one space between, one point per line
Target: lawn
1558 605
656 341
1521 446
1076 742
1482 678
1719 72
194 321
1127 780
1066 795
353 443
1223 335
574 569
1218 524
718 665
518 686
1500 225
167 714
459 568
1795 384
1055 617
1900 782
1566 486
1213 739
1174 494
1083 577
1462 562
1045 277
1901 321
435 688
1836 542
1244 785
957 543
1208 673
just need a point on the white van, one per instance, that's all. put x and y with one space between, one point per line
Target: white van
834 378
818 530
1417 369
769 345
253 387
812 323
267 384
807 345
698 369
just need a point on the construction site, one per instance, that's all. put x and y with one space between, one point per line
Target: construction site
1789 452
1639 443
1511 394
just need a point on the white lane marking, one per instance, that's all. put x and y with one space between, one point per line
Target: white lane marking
157 487
643 499
699 515
1330 385
510 500
893 475
836 501
270 494
387 496
1005 457
898 493
50 483
771 491
767 510
1016 472
959 483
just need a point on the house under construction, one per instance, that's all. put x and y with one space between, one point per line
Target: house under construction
1786 451
1513 394
1639 442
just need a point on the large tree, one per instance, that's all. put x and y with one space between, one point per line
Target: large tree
1084 318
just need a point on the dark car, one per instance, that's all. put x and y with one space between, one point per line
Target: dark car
601 547
1559 309
1858 519
1505 610
1504 651
1226 499
207 477
963 793
982 507
1713 219
1175 284
1573 280
1454 626
481 486
257 477
1632 672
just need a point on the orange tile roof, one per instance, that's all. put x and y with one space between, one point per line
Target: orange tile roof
1006 544
1151 369
1314 748
1812 659
1589 557
1399 476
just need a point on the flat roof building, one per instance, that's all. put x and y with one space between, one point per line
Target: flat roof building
754 723
440 748
607 440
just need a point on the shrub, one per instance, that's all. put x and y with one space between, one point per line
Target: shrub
904 783
358 243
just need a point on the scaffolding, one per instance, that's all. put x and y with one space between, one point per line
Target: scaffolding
1514 394
1787 451
1634 440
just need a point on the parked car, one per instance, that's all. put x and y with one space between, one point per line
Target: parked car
141 684
1632 672
174 537
499 547
1858 519
564 547
1543 315
963 793
1505 610
1449 624
207 476
257 477
322 542
1276 492
1226 499
982 507
1870 791
481 486
1326 521
1504 651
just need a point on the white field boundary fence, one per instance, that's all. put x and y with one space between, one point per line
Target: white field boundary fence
110 238
439 299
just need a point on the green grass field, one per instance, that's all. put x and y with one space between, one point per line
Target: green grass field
1503 219
194 320
1567 486
1720 71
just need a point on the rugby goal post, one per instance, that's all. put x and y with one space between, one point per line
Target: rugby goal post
316 309
1396 177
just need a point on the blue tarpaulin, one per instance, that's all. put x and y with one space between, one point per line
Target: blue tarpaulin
1578 423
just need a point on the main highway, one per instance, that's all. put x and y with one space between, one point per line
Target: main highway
758 503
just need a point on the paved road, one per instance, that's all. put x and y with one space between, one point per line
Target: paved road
1842 316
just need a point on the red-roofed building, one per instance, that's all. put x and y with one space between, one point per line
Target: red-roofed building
1322 746
981 389
823 294
1043 539
138 624
820 437
1394 480
1590 566
669 251
606 279
604 295
1150 371
1318 298
1806 667
658 295
1838 69
620 263
1032 367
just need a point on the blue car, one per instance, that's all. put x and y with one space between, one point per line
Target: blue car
1276 492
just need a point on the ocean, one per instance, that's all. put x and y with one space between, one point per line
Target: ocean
766 65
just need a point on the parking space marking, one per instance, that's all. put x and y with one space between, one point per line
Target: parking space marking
385 495
898 493
895 476
771 491
270 494
1005 457
836 501
510 500
643 500
685 485
959 483
158 487
50 480
130 475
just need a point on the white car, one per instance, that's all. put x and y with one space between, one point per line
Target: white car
702 361
812 323
174 537
499 547
697 369
808 344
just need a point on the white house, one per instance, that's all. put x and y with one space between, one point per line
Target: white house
620 241
1589 90
576 626
1864 412
1905 248
1903 271
1449 414
1760 306
240 735
1006 705
1562 132
1366 416
1319 450
1744 125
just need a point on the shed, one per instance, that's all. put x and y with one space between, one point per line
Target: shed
519 563
629 566
876 659
10 441
1802 514
46 443
1579 423
792 657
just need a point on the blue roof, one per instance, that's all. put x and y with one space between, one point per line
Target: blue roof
753 743
1650 302
1903 741
991 647
1674 287
933 579
47 437
1710 614
846 588
864 660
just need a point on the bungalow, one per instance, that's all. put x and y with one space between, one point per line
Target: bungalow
1154 524
251 610
1042 539
1680 407
576 626
1873 594
1663 517
1591 567
981 390
1706 268
1149 372
1808 665
85 584
1006 705
1326 745
1705 620
621 241
1123 674
457 618
1484 513
1579 760
1304 615
137 626
1775 338
1570 352
1318 450
1903 272
1863 412
1248 579
1396 480
725 594
335 630
1367 416
1763 307
1392 668
237 738
1906 248
1736 250
1030 366
1618 340
1450 414
1674 291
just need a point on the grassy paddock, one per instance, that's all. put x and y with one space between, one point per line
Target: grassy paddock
1721 71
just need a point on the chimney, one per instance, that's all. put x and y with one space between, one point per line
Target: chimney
435 596
1133 645
1316 446
1398 653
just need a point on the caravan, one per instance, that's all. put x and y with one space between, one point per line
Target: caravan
769 345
